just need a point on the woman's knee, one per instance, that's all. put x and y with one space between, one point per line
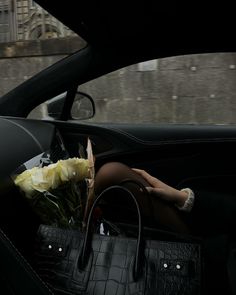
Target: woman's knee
109 174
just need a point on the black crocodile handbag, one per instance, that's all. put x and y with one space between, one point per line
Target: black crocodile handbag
72 262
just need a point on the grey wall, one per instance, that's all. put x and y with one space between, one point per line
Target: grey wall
186 89
20 60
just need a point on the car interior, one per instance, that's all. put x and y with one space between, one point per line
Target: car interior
198 156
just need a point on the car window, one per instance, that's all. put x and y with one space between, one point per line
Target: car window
191 89
31 39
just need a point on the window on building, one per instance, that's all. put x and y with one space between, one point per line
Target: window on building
4 25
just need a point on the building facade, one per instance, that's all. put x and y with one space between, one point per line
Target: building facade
26 20
8 25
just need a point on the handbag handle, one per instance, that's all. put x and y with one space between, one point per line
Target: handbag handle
147 196
88 233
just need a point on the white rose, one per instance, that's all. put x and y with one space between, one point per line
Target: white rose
74 168
50 177
24 181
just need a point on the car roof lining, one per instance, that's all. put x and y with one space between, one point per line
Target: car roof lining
158 24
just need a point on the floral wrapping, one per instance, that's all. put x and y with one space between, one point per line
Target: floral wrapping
59 193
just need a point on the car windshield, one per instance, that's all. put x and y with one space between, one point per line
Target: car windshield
30 40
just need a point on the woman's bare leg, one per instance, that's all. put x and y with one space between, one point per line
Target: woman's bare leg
162 213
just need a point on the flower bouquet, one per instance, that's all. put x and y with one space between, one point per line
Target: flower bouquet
60 193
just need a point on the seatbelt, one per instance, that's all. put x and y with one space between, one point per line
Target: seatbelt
17 272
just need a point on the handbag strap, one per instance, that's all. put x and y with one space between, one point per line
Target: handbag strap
147 196
88 233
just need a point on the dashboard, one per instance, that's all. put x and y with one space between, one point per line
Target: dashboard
22 140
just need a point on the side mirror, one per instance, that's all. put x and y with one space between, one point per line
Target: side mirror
83 106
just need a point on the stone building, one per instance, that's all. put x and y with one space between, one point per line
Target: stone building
26 20
8 26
